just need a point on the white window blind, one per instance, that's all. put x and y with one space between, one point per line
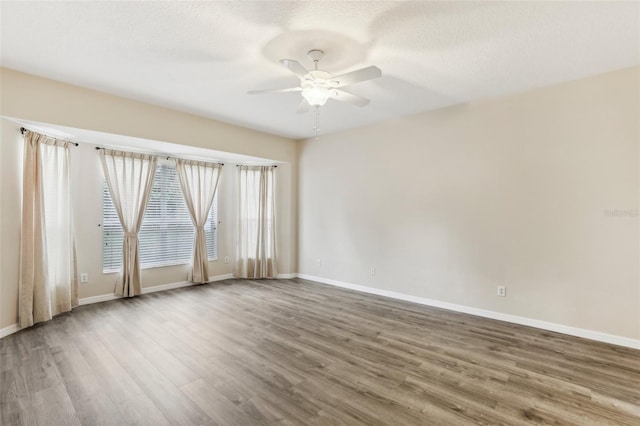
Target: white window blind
167 232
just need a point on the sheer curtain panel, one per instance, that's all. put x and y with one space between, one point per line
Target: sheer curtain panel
198 181
256 242
48 271
129 177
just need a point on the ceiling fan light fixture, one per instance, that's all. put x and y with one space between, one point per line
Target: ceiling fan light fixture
316 95
317 86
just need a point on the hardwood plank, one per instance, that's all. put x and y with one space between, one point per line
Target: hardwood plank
98 410
112 378
172 368
16 407
76 374
10 356
175 406
40 370
138 409
54 407
216 405
294 352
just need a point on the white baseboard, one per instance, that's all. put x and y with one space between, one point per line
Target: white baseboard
550 326
10 329
163 287
221 277
544 325
287 276
230 276
146 290
98 299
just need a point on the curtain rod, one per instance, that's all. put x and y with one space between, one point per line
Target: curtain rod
254 165
22 130
166 158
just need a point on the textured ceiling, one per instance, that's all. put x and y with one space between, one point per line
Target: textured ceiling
202 57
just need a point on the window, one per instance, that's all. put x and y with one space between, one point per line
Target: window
257 208
256 251
167 232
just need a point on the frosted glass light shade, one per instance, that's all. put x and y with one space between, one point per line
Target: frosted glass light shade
316 96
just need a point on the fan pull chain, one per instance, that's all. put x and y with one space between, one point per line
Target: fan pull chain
317 126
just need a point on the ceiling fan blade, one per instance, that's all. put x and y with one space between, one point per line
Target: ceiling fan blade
303 107
350 98
290 89
295 67
352 77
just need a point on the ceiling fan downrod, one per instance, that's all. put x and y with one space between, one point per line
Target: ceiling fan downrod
315 55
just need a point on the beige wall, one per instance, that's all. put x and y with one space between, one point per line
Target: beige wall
39 99
444 205
32 98
449 204
10 200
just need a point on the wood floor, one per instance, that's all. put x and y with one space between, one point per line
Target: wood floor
294 352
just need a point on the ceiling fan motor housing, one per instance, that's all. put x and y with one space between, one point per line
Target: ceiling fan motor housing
315 54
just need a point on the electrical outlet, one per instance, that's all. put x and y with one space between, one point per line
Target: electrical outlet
319 263
226 259
84 277
502 291
373 272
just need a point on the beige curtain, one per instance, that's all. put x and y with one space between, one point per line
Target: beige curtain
199 181
48 271
256 244
129 178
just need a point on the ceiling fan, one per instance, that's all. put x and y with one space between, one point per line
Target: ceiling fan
318 86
